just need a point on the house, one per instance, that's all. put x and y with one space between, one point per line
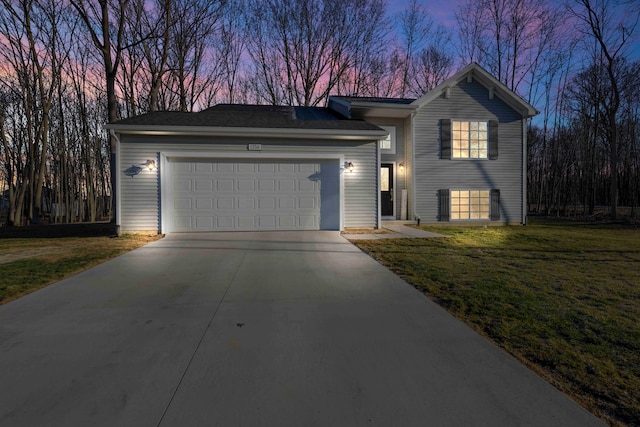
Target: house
455 155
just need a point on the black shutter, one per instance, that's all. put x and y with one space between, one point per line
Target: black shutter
444 205
495 205
445 138
493 139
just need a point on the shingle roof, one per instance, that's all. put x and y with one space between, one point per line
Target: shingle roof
251 116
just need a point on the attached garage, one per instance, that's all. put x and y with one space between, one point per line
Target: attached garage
245 194
246 168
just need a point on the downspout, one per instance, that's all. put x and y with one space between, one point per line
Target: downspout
379 213
524 170
413 167
118 210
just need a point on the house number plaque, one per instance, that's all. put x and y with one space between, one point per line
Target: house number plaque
254 147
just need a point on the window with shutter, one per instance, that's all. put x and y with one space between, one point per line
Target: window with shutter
444 205
469 139
469 205
495 205
493 139
445 138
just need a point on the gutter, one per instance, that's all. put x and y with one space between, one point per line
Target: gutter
282 133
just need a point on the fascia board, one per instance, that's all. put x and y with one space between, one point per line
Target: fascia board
377 109
284 133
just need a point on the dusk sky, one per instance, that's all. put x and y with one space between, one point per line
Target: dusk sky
443 12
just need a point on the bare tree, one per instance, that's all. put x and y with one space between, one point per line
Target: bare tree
105 22
612 38
507 36
366 51
432 64
34 57
415 25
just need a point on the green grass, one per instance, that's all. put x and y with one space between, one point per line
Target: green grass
562 298
27 265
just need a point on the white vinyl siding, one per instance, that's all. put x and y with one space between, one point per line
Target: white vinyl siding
140 196
433 172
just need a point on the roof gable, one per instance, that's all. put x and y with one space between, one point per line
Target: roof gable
481 76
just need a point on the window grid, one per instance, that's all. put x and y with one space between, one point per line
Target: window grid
470 139
470 204
385 144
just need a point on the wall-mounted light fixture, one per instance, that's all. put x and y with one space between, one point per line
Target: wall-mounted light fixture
401 167
136 169
150 164
350 166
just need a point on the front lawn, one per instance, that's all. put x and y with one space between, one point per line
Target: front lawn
27 265
562 298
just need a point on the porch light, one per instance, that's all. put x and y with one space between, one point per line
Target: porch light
150 164
350 166
401 167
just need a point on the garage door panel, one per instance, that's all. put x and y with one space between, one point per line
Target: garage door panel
266 222
249 195
307 185
182 204
309 168
246 222
267 203
306 203
286 168
266 185
308 221
225 203
224 222
183 222
246 203
182 184
246 185
286 203
246 168
224 184
204 204
203 168
204 223
266 168
203 185
286 185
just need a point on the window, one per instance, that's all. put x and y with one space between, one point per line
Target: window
470 204
388 144
470 139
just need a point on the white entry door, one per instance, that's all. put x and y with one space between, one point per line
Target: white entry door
219 195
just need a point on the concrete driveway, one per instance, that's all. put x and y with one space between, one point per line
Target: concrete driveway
256 329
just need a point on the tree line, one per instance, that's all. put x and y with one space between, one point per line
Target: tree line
67 67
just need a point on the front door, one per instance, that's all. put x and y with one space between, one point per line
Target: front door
386 189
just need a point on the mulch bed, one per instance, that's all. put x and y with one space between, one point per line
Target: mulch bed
43 231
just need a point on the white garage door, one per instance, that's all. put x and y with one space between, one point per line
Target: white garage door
226 195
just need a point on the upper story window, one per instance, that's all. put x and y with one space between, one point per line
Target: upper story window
388 144
470 139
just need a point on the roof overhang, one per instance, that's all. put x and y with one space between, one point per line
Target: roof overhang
377 109
247 132
368 109
479 74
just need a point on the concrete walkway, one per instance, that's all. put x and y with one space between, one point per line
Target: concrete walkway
256 329
397 230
